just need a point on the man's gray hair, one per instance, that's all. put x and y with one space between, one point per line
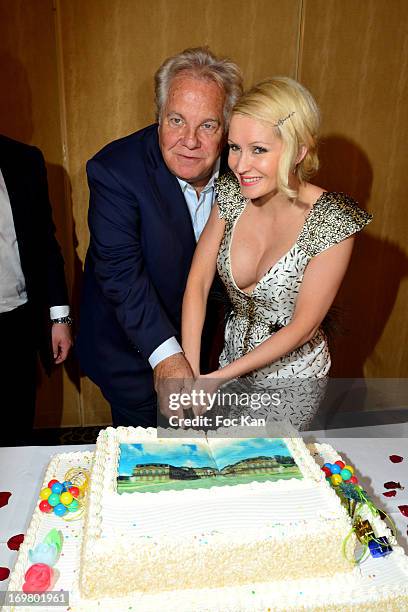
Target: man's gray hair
201 63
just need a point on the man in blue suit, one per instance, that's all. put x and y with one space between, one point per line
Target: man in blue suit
150 196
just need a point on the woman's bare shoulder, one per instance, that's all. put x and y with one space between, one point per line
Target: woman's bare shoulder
309 194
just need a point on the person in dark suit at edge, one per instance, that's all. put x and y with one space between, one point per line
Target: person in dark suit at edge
34 311
151 194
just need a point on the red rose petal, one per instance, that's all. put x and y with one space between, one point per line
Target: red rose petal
392 485
396 458
390 494
4 498
403 510
4 573
15 542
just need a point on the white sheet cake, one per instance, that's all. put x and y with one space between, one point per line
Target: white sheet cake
262 545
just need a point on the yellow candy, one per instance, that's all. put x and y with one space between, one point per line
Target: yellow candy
348 467
336 479
66 498
45 493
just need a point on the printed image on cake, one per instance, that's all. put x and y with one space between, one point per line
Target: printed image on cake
176 465
280 539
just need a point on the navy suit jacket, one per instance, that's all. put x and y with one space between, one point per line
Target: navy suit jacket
141 246
25 176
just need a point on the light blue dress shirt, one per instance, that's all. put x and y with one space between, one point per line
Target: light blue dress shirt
199 209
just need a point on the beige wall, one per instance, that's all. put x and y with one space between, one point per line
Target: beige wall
78 73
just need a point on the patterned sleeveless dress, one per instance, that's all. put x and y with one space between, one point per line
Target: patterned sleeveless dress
300 376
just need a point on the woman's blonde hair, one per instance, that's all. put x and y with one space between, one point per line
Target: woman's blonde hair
293 112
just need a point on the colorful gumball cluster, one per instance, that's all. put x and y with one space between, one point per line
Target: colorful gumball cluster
59 497
339 472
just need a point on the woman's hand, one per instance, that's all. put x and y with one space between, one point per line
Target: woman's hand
204 393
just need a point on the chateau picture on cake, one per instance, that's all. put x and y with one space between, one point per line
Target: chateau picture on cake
167 464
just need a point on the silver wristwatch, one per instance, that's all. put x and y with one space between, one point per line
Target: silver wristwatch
67 320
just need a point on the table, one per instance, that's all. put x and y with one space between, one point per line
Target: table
22 471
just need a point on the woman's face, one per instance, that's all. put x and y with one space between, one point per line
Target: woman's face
254 154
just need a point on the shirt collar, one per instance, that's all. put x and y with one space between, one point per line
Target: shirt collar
184 185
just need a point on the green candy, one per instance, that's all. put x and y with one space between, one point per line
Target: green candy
54 537
73 506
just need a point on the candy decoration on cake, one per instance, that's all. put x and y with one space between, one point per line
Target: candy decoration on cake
403 510
44 553
379 547
48 550
45 506
76 483
54 537
355 499
40 576
78 477
67 497
339 472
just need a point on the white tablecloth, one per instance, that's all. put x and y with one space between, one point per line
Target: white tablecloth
22 471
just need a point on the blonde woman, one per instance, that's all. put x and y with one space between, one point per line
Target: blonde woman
281 246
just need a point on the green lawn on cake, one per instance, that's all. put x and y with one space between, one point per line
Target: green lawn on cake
205 483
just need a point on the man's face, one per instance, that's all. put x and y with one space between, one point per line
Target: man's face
191 128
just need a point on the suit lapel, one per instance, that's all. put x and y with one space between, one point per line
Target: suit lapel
170 196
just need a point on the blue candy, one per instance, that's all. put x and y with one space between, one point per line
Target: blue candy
43 553
57 488
336 469
380 547
66 484
60 510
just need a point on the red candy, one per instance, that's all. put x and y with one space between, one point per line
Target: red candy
396 458
341 464
74 491
45 506
390 493
38 578
4 573
52 482
15 542
403 510
327 471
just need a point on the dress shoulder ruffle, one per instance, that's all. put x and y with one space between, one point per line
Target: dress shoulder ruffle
334 217
229 198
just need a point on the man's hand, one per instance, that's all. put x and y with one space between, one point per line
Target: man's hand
61 339
172 376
